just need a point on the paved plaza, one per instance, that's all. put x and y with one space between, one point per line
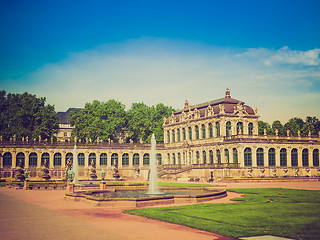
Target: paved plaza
44 214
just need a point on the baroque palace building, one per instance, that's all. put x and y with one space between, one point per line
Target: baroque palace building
213 141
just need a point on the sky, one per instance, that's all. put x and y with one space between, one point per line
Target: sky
74 52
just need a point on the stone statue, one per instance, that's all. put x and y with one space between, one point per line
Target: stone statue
265 132
288 133
222 110
93 174
299 133
277 132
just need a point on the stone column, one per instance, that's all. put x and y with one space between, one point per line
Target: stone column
277 149
299 157
120 159
51 154
39 154
289 157
26 159
241 156
265 157
310 156
1 159
254 157
130 159
98 160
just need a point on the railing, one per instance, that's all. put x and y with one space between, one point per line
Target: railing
6 143
176 169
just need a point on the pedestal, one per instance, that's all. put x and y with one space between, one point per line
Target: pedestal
103 185
26 185
70 187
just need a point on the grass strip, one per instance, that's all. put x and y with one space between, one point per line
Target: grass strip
281 212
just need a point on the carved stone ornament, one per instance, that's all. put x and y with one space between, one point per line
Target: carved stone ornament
222 110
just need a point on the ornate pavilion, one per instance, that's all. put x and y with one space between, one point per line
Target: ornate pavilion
212 141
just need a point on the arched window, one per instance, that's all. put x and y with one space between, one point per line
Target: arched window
272 157
184 134
218 156
210 130
239 128
218 129
250 129
7 159
305 158
226 154
178 133
228 129
260 159
204 157
197 132
68 156
33 159
81 159
103 159
57 159
190 133
92 158
114 159
159 159
125 159
294 157
168 136
169 161
211 156
315 155
283 157
146 159
174 158
136 160
173 136
247 157
235 155
203 131
20 159
179 158
45 157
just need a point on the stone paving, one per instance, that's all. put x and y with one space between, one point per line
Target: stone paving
44 214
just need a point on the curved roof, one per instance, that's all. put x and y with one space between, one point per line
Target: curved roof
226 105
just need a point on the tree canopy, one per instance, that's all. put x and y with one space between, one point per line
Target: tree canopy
311 125
109 120
103 120
26 116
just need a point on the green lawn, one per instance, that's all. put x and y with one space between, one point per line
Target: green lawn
280 212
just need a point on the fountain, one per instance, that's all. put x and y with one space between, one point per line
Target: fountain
153 178
75 165
132 195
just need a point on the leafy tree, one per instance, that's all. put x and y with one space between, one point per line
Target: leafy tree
315 122
294 124
25 115
277 125
307 127
264 125
158 113
144 120
98 119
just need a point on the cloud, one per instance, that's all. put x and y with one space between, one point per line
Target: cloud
284 56
160 70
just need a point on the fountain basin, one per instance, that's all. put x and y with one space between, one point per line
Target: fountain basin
137 198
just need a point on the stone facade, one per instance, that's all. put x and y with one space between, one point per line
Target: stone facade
206 142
